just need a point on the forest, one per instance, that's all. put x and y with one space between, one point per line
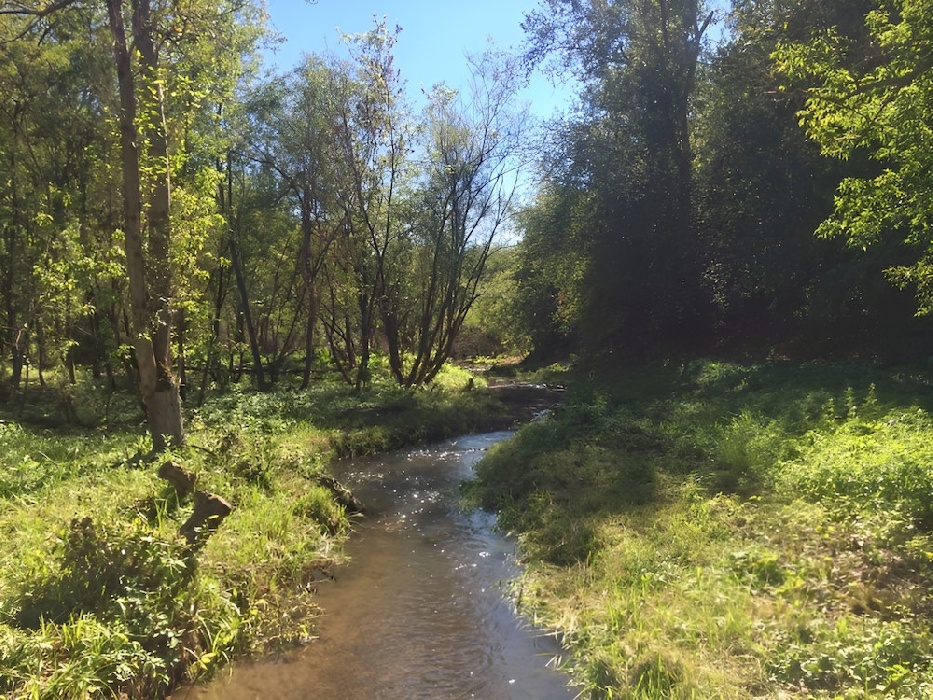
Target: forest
219 277
162 191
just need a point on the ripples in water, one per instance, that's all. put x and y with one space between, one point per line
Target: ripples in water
420 612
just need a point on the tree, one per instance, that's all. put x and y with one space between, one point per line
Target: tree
630 146
158 93
373 137
294 138
263 245
762 187
494 325
553 259
880 107
58 265
149 279
148 173
457 208
25 73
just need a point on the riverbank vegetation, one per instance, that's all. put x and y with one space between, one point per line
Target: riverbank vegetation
756 524
268 270
100 596
732 531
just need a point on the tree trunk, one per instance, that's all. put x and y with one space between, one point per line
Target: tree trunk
40 349
180 343
9 286
151 313
310 265
243 292
19 356
366 326
215 335
313 307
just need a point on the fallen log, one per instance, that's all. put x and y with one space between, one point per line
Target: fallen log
180 478
342 494
209 512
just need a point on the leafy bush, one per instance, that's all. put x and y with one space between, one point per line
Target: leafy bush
82 658
874 658
102 570
883 466
113 607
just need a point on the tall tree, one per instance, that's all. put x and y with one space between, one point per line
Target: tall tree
143 73
151 42
553 259
763 187
294 138
264 250
374 137
461 201
637 61
53 137
142 120
23 72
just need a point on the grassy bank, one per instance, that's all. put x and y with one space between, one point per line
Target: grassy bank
725 531
101 597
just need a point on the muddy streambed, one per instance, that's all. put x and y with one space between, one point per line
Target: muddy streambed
421 610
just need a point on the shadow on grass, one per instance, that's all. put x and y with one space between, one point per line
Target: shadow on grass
629 439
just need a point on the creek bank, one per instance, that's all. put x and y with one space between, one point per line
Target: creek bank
420 610
151 620
720 530
523 402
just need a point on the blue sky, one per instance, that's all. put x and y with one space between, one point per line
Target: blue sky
436 36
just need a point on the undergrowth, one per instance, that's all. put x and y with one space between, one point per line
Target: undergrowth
99 594
723 531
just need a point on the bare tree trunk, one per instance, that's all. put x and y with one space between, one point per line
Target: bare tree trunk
12 323
181 325
40 348
225 198
18 343
366 324
215 335
312 303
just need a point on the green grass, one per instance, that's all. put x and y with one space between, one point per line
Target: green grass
99 594
723 531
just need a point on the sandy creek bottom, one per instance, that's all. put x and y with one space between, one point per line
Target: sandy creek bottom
420 611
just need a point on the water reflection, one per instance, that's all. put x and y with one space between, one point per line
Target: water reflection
420 611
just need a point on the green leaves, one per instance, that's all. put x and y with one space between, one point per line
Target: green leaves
876 99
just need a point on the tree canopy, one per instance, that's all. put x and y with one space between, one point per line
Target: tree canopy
877 107
173 217
678 210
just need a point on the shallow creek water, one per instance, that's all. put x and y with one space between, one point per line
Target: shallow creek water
420 611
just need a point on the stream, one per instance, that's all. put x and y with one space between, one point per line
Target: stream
421 610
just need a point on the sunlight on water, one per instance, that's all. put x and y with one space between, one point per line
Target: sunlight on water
420 612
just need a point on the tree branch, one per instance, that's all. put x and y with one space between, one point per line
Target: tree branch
22 9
